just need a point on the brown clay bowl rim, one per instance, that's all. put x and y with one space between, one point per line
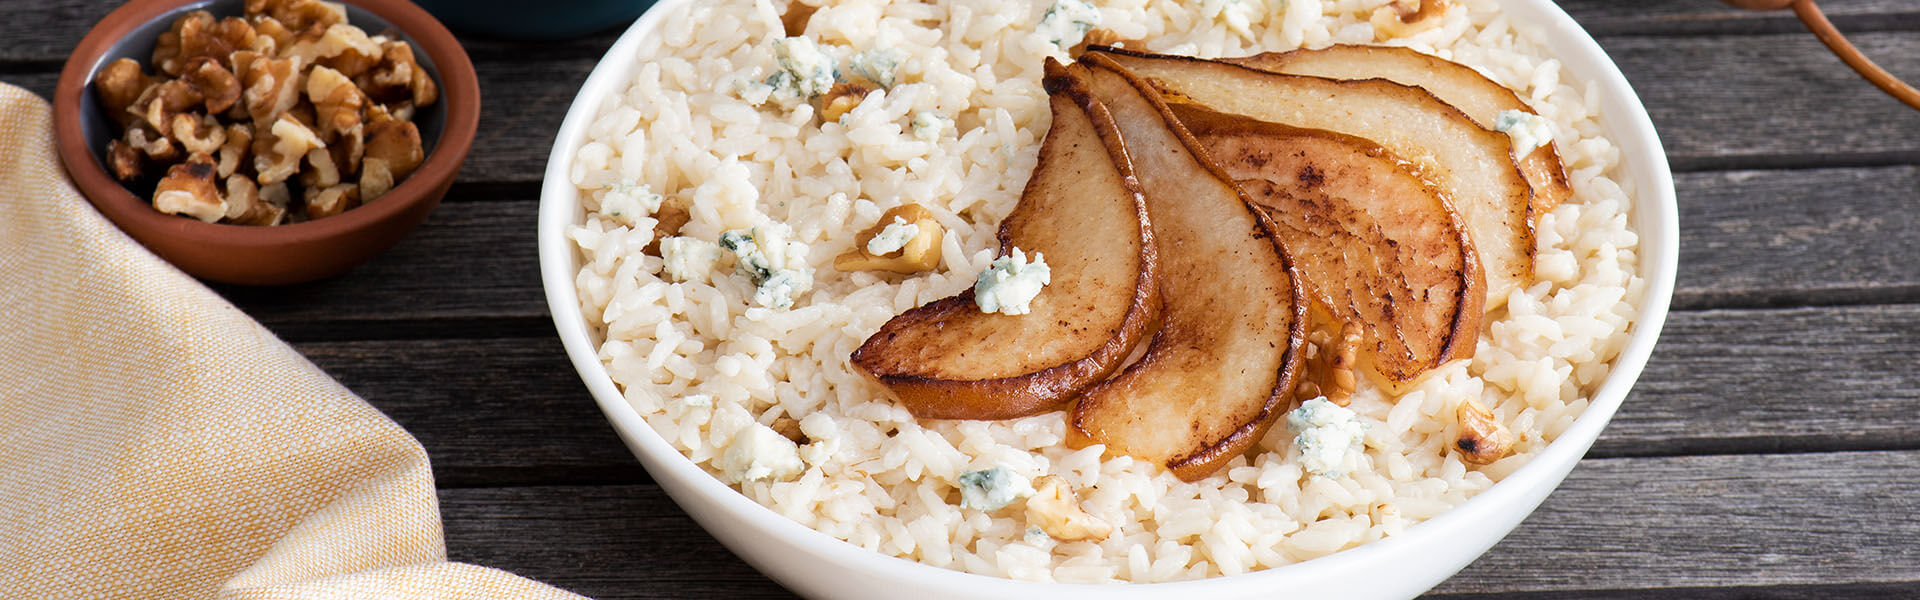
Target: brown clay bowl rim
459 90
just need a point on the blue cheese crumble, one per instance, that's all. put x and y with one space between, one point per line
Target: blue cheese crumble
893 238
628 201
1324 433
757 453
1010 283
688 259
1528 130
805 70
777 267
928 125
877 65
992 489
1068 21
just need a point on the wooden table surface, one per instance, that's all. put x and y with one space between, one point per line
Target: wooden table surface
1771 449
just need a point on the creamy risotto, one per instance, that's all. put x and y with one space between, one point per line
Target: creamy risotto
735 345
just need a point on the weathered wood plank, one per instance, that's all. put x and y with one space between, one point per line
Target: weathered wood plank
471 260
1698 17
1786 238
1772 101
489 411
1778 100
1623 527
1776 381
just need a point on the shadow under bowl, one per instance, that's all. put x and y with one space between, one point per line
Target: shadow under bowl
284 254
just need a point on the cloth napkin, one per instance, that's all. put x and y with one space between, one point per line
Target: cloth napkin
155 442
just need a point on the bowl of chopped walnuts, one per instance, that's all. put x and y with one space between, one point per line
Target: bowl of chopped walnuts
266 142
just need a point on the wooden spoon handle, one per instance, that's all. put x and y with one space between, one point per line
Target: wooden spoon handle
1823 29
1817 22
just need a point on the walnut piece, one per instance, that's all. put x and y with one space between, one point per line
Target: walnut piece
198 134
921 253
396 142
1402 18
156 147
842 97
278 150
337 103
189 190
1483 438
273 87
327 202
119 85
1329 373
232 153
124 160
1055 509
242 195
215 83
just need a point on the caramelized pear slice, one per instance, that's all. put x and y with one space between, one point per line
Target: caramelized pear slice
1471 164
1374 244
1482 99
1225 362
1082 208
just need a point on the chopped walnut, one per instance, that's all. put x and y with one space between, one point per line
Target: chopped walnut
919 253
198 134
327 202
397 143
189 190
399 78
794 21
335 46
375 179
161 102
119 85
841 98
241 197
1055 509
277 98
667 222
1329 372
278 150
336 102
322 172
1483 438
124 160
215 83
1401 18
273 87
239 139
154 145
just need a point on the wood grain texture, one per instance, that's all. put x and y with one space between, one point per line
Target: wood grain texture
1771 101
1841 519
1788 238
1713 17
489 411
1795 380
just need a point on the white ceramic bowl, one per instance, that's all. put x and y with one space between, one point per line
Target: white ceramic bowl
818 566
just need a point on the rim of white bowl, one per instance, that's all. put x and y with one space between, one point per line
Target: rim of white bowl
1655 217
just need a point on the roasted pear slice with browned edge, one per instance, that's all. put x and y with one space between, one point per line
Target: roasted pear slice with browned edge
1373 242
1480 98
1471 164
1082 208
1225 362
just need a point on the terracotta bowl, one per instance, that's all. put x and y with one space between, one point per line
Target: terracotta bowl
266 255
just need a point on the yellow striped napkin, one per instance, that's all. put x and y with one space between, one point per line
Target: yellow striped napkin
155 442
